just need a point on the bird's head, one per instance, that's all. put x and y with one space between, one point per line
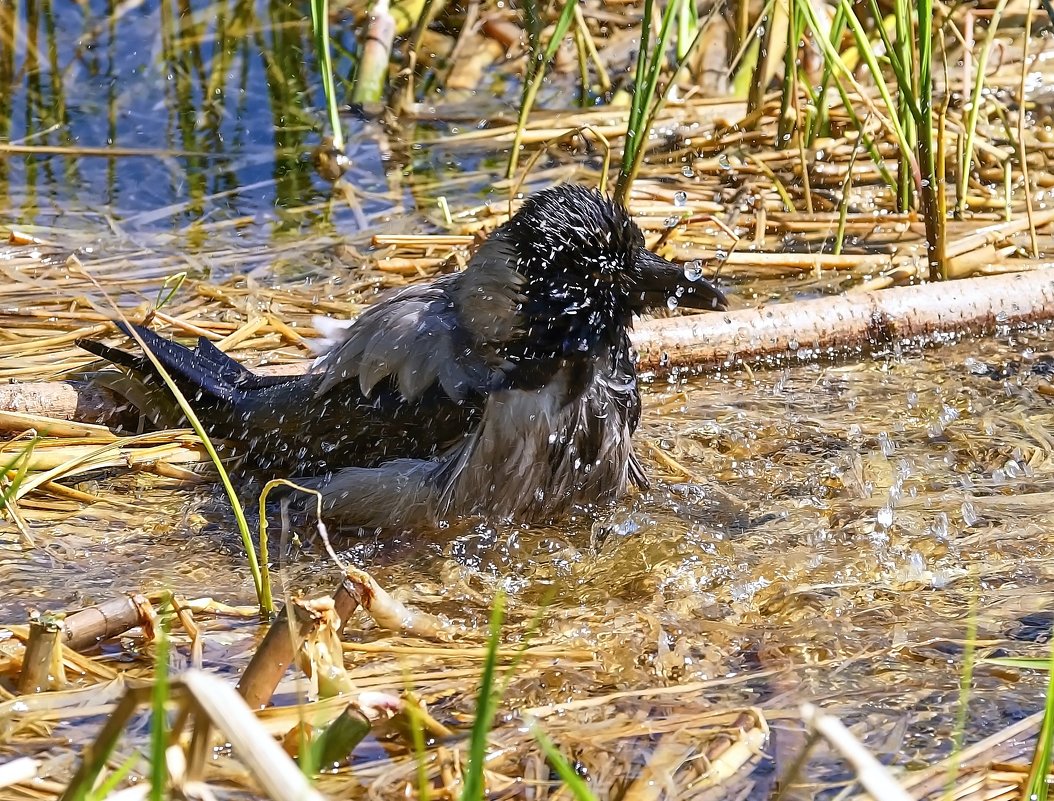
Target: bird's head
587 272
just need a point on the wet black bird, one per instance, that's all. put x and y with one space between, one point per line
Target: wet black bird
507 390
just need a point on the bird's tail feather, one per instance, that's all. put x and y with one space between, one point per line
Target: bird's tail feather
204 369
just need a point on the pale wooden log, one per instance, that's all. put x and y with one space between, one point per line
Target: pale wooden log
805 330
826 327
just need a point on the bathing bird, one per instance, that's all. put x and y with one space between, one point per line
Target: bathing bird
507 390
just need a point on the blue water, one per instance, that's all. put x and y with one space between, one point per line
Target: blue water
195 114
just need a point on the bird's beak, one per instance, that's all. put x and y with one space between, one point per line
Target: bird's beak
662 281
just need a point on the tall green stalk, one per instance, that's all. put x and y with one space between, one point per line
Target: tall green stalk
486 706
910 118
818 126
1037 787
158 715
932 190
905 56
788 119
536 66
320 28
646 105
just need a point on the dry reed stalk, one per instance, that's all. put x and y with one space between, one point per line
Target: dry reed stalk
423 241
89 626
19 771
386 611
52 427
453 652
275 654
82 666
215 704
934 779
656 779
42 667
872 774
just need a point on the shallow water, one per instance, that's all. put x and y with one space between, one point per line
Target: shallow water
194 122
818 532
828 534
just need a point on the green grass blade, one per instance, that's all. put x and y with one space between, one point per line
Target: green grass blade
265 599
320 28
539 62
643 110
486 704
1036 788
891 122
965 687
822 107
158 717
20 464
975 101
866 51
572 781
636 109
109 785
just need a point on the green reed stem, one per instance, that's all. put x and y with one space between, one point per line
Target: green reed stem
975 104
320 28
486 706
539 62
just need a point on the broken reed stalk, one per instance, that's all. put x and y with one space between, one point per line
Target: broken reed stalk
806 330
93 624
275 654
376 56
215 704
42 660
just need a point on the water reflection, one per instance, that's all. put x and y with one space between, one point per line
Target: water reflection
169 110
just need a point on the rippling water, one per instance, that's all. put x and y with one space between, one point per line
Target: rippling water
825 528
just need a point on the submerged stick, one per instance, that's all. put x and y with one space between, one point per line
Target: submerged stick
805 330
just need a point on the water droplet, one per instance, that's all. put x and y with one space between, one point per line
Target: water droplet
672 302
886 444
693 270
671 222
940 526
680 199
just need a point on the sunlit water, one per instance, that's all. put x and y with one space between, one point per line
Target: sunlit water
828 533
194 120
841 521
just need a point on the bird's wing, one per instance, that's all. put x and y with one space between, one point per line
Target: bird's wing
447 332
